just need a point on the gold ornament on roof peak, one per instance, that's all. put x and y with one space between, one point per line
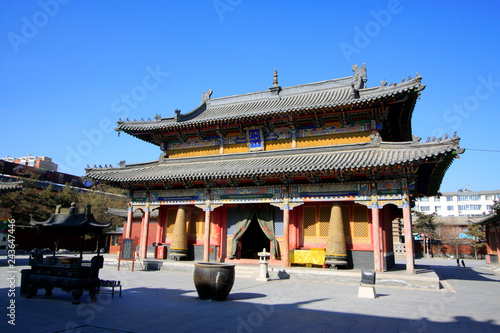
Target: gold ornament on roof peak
275 81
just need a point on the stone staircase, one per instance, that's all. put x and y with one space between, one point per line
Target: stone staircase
246 271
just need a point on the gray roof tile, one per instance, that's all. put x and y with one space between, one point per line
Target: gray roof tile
325 94
276 162
10 186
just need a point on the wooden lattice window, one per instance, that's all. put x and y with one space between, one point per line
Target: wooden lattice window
346 219
324 220
196 223
309 221
360 221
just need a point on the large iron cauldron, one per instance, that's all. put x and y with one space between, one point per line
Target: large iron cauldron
213 280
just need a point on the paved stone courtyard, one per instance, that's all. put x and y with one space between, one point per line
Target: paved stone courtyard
166 301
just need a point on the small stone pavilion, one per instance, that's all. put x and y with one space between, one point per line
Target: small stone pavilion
315 173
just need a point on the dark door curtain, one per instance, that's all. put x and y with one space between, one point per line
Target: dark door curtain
264 215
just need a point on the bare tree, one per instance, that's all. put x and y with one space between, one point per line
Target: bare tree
425 224
476 232
450 234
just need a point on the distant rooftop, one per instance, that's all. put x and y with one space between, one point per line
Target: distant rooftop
468 191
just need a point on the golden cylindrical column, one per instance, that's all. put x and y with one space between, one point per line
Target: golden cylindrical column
179 243
335 245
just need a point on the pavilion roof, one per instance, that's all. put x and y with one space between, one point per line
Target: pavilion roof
72 220
286 161
10 186
489 219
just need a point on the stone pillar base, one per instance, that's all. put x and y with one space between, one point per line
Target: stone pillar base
366 291
335 263
178 254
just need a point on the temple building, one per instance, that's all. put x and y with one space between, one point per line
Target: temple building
491 225
314 173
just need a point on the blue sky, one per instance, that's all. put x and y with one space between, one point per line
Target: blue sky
70 69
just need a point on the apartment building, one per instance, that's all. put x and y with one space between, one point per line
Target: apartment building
41 162
461 203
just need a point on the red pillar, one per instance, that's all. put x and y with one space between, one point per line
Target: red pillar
144 234
160 231
218 237
383 236
382 241
376 237
293 230
286 234
497 241
206 240
223 233
410 262
130 217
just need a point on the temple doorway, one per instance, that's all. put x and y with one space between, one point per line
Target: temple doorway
253 241
253 231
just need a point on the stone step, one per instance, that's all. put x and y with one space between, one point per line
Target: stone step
248 272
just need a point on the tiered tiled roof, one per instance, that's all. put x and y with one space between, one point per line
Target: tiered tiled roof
331 95
350 157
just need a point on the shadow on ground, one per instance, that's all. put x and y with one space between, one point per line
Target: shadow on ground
176 310
446 272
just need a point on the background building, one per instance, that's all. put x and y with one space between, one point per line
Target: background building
492 235
12 170
41 162
460 203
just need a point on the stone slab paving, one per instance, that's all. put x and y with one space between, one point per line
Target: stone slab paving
166 301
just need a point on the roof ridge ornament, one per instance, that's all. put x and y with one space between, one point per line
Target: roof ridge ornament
163 156
415 140
359 75
206 96
359 79
275 89
376 139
